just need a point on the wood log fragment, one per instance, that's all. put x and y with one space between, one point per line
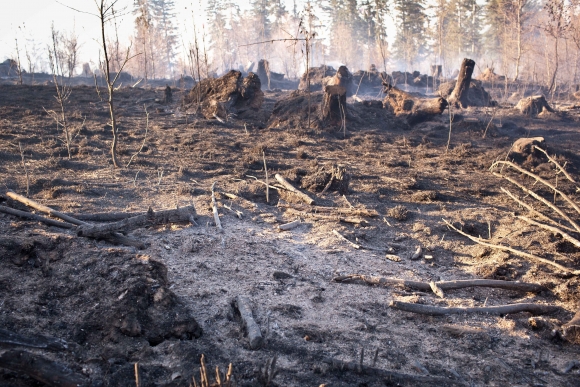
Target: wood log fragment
178 215
458 96
500 309
289 226
116 238
28 215
412 108
519 253
443 285
242 304
304 197
335 218
105 216
43 342
42 208
44 370
436 289
331 210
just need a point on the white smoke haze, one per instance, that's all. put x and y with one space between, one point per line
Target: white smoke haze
525 39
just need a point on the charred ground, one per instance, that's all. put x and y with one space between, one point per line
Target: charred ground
116 306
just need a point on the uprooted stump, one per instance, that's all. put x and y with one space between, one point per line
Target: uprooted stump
533 105
333 108
231 93
317 77
524 147
413 108
335 178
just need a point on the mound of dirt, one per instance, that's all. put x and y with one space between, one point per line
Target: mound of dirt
231 93
292 111
477 96
317 77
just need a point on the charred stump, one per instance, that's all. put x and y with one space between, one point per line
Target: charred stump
333 109
230 93
343 78
412 108
264 72
458 96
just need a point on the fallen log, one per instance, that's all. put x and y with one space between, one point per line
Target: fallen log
459 94
331 210
115 238
443 285
43 342
242 304
305 198
178 215
410 107
28 215
500 309
105 216
44 370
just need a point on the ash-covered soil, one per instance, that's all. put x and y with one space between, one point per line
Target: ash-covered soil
165 306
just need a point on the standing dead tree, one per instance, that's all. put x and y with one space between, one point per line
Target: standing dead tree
63 89
105 14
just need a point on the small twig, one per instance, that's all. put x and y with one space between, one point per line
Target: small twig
216 215
267 183
560 168
519 253
25 170
555 230
261 182
533 211
541 199
144 138
239 214
137 378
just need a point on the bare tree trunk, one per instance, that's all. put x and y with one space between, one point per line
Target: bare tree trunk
519 39
109 86
459 94
555 73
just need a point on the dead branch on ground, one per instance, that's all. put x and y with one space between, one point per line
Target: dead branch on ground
443 285
242 304
43 342
330 210
498 310
304 197
519 253
38 218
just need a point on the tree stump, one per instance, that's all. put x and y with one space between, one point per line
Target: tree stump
413 109
458 96
333 109
264 72
343 78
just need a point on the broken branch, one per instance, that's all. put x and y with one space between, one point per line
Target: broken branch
307 199
500 309
28 215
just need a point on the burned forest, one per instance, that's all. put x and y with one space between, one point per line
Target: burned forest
293 210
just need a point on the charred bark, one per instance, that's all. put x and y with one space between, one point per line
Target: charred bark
333 109
458 96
